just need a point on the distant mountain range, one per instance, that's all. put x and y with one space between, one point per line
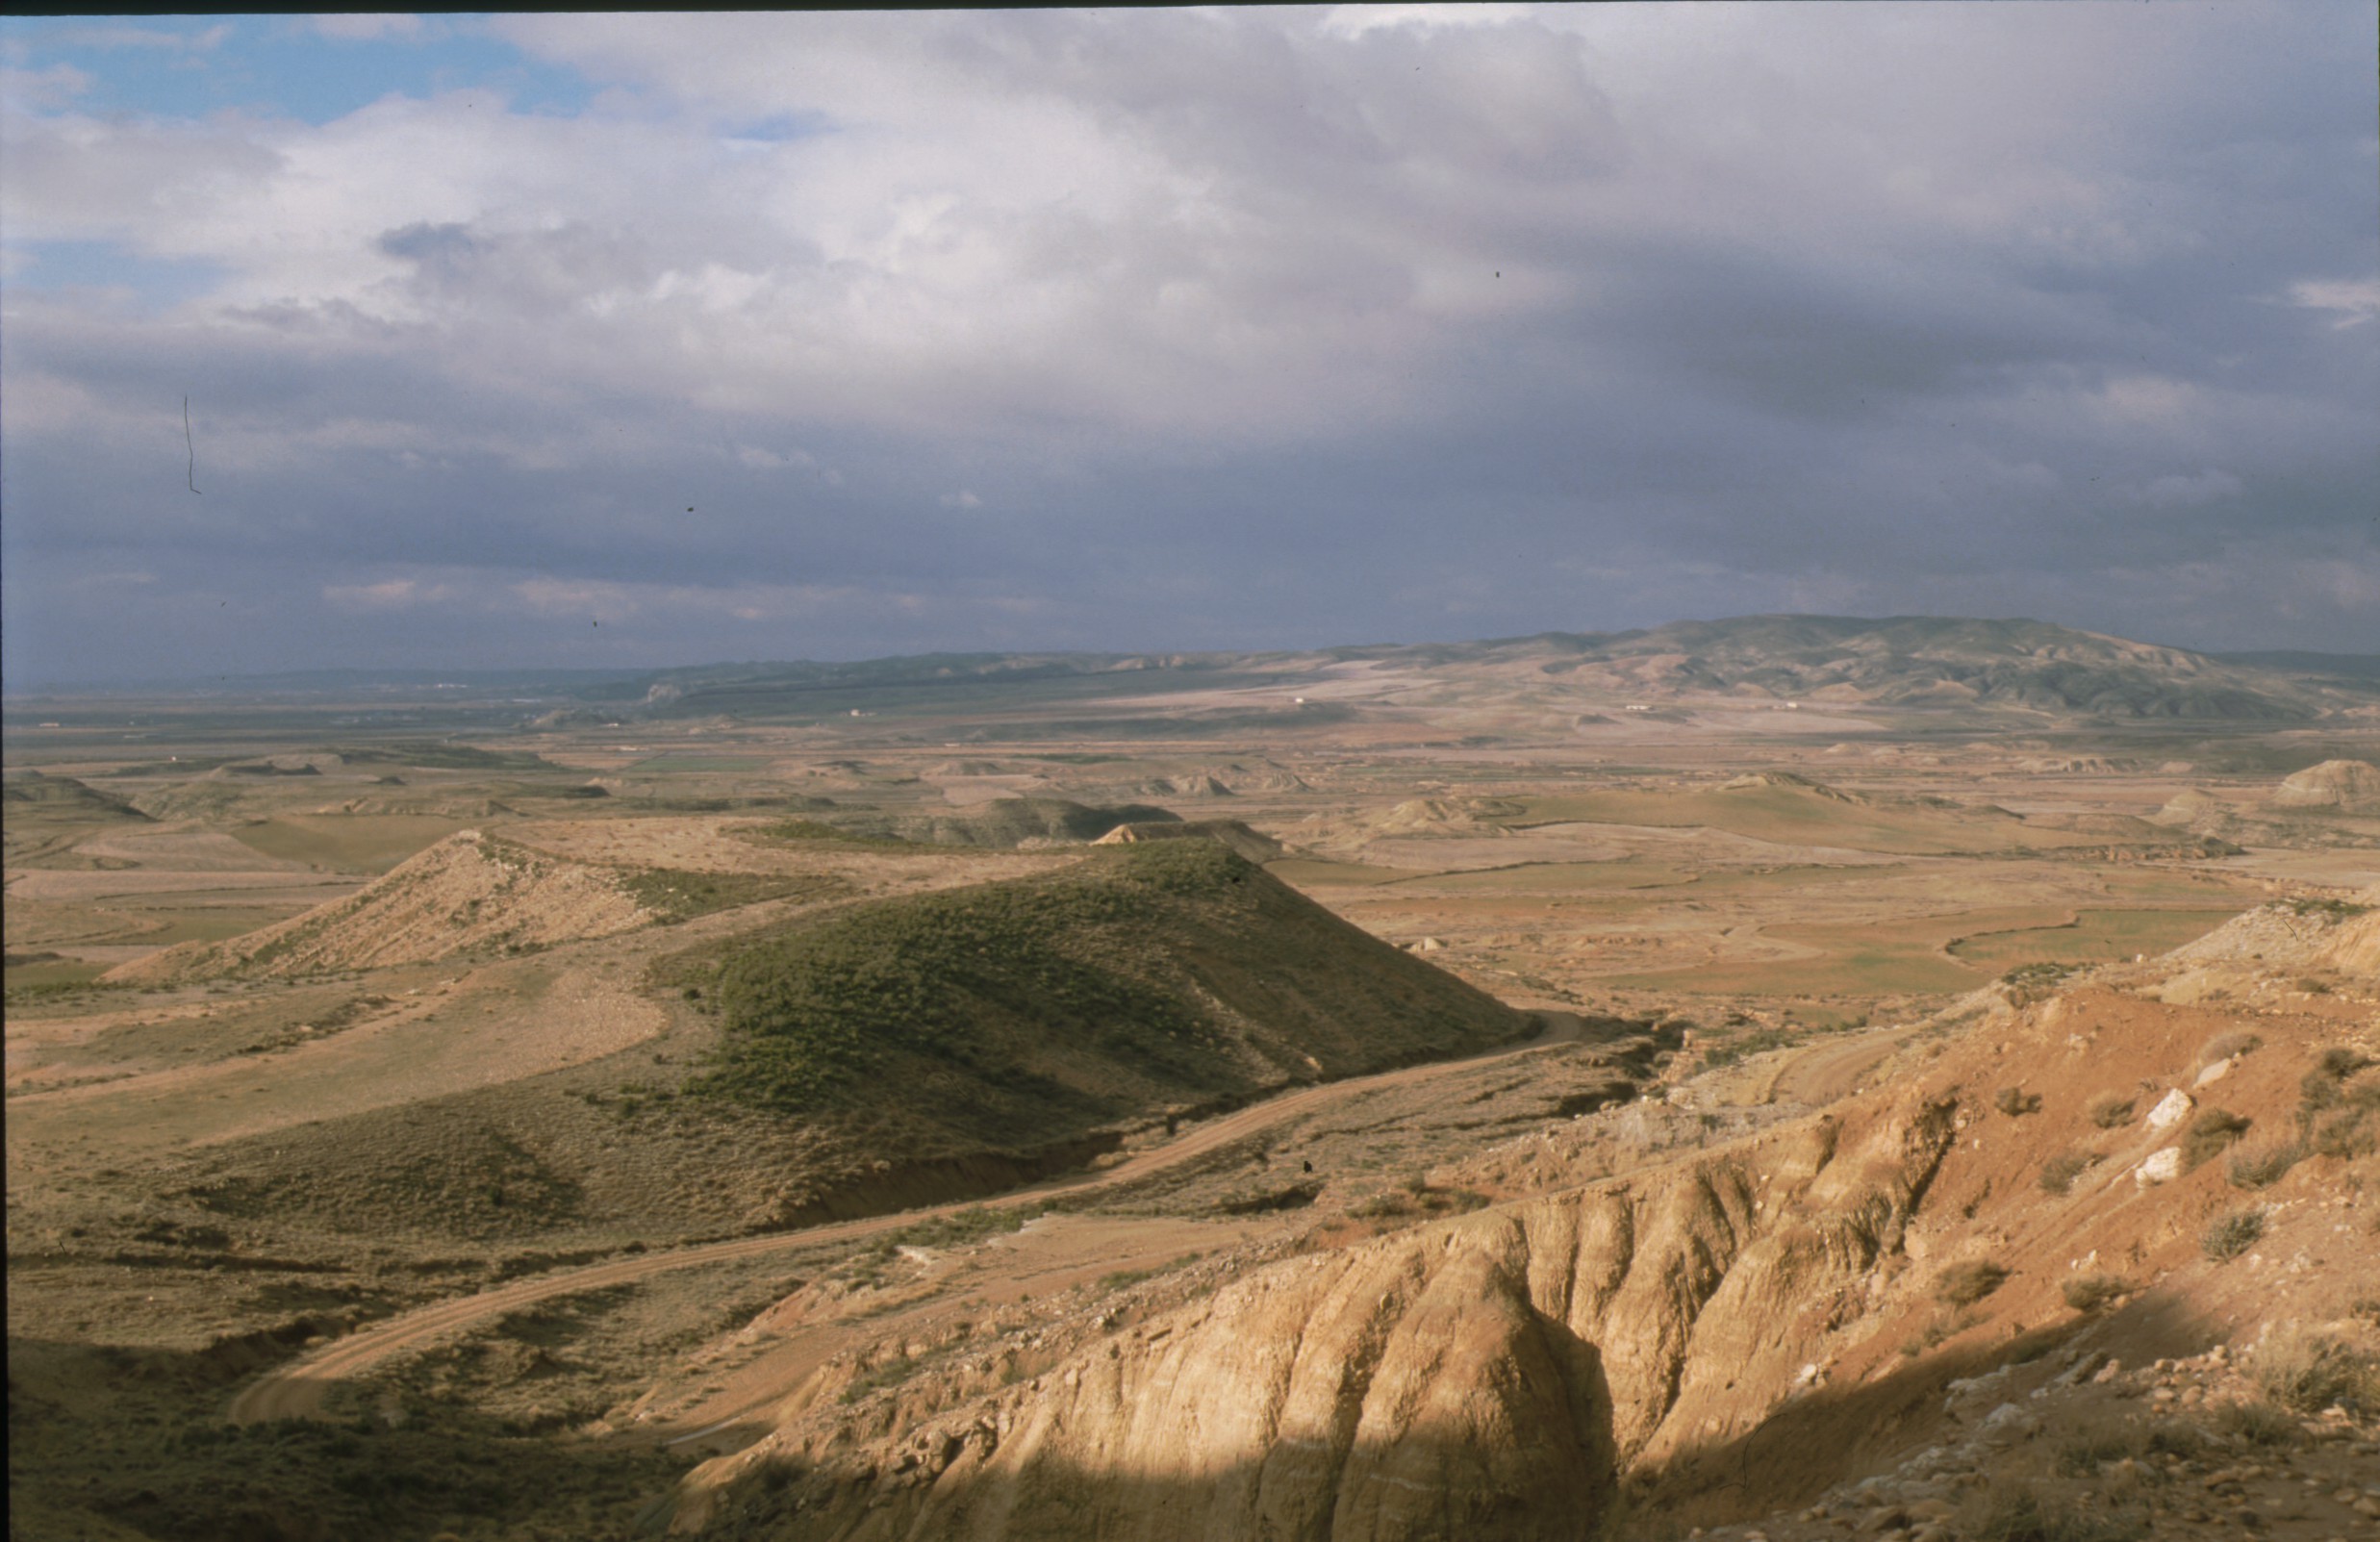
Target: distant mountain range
2021 670
1902 664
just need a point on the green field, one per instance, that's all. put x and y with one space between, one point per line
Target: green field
1855 958
1308 873
1794 815
210 924
2093 937
673 760
349 843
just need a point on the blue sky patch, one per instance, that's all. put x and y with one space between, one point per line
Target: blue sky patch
158 282
191 66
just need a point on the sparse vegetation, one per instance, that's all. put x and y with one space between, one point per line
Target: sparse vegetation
812 1011
1944 1327
2306 1371
2016 1100
2058 1173
2331 911
1964 1284
2324 1086
2009 1511
673 895
2214 1131
2229 1046
2262 1170
2230 1235
1415 1197
2089 1293
2084 1455
1721 1052
2039 975
2111 1110
2259 1425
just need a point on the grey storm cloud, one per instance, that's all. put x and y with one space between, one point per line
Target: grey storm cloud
835 334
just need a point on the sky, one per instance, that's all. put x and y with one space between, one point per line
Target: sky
625 341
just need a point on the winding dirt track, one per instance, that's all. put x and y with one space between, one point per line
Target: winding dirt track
296 1390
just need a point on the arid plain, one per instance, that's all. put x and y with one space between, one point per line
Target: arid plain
1788 1076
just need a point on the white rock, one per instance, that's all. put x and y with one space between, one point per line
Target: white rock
2215 1073
2170 1110
2161 1168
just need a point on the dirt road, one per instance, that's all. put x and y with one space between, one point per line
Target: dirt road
1829 1071
296 1390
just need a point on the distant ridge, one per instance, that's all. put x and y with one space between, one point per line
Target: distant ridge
1905 662
1908 663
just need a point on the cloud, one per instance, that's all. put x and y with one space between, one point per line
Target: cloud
391 594
114 35
367 26
2354 301
37 91
2186 491
1255 325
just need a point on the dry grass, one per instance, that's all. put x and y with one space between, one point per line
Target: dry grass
2259 1425
2228 1236
2089 1293
2016 1100
2058 1173
2226 1046
1966 1284
2083 1455
1942 1329
2010 1512
2262 1170
2306 1371
2111 1110
2213 1132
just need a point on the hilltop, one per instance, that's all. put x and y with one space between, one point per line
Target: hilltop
1151 974
470 895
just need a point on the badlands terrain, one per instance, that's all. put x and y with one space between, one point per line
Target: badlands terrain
1792 1077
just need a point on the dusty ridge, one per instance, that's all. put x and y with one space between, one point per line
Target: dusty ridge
1253 844
2348 785
469 893
1488 1377
1767 1311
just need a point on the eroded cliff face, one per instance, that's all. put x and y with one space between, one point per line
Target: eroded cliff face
1488 1377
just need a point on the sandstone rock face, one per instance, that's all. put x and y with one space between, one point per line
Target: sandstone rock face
2348 785
1481 1378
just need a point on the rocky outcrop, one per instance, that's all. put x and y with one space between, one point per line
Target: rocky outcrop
1488 1377
2343 786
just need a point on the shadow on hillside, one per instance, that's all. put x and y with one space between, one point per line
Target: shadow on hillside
1470 1490
1808 1445
106 1441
